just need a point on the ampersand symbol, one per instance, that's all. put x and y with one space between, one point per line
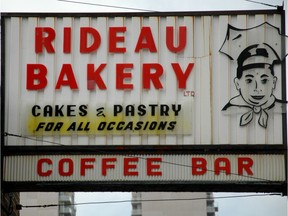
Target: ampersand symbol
100 112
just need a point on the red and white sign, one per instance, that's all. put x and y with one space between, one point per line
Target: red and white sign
150 83
161 79
160 168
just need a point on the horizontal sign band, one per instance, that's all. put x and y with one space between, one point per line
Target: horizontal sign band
130 119
154 168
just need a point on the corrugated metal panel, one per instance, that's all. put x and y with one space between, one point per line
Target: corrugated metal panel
195 168
211 79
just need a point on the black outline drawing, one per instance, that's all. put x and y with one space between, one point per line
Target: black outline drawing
255 79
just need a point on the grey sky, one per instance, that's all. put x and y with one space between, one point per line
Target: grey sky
264 206
247 206
119 209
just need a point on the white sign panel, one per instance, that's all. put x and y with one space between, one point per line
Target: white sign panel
143 80
159 168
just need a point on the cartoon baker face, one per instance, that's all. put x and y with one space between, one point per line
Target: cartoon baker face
255 82
256 85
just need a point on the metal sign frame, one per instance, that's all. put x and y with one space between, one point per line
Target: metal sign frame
125 150
260 185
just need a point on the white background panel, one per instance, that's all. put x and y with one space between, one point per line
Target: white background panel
211 79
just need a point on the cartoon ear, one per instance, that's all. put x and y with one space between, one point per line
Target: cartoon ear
274 82
236 82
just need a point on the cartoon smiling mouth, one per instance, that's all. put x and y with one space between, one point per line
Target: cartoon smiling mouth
257 97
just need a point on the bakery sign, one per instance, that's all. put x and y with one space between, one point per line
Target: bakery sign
122 98
126 118
103 75
153 75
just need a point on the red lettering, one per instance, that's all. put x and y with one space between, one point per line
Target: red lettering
84 165
128 167
67 72
245 163
181 38
153 77
152 167
182 77
40 164
67 40
114 38
84 32
121 75
199 166
106 164
222 164
93 77
36 81
66 163
145 40
44 36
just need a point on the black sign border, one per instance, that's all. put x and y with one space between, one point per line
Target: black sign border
280 187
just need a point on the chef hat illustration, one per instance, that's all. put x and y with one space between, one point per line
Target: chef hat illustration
254 47
257 56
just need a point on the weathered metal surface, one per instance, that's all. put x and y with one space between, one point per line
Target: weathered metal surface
208 88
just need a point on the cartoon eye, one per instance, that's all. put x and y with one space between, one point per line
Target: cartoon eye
264 81
248 81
